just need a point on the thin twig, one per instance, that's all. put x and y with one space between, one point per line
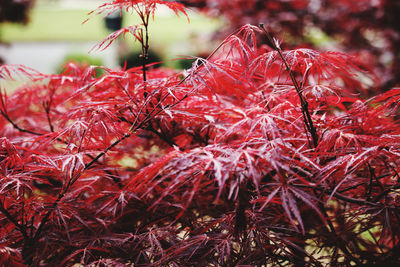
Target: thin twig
304 104
20 227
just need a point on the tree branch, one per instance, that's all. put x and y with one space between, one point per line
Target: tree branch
20 227
304 104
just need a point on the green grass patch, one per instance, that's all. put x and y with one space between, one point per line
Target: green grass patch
54 24
49 24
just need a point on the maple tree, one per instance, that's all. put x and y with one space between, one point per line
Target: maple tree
254 156
367 29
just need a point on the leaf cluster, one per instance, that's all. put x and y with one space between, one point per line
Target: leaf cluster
366 29
212 166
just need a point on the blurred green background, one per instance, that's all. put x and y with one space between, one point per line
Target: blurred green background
52 21
56 32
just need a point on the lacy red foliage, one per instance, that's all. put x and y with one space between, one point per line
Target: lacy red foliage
255 156
143 8
368 29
